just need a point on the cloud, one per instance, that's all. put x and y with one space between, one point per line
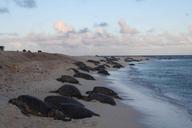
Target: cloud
125 28
8 34
26 3
99 40
84 30
102 24
61 26
4 10
190 28
151 30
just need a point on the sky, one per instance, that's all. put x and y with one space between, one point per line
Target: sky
102 27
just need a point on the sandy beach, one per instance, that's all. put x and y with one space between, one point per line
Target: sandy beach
35 74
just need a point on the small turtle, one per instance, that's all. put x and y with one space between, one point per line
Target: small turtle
76 112
106 65
34 106
69 79
95 62
131 64
103 72
112 58
102 60
82 66
106 91
56 101
68 90
101 98
117 65
128 59
82 75
24 50
99 67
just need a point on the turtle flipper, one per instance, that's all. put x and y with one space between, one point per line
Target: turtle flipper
60 116
25 113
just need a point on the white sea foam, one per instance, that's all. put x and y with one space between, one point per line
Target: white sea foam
158 113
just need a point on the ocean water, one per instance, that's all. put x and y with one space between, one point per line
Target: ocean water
160 88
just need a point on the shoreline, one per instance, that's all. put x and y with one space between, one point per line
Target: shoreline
40 82
157 110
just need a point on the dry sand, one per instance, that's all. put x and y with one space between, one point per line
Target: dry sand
34 74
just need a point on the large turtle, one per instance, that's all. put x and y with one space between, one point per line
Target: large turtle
103 72
76 112
82 66
68 79
106 91
56 101
101 98
95 62
131 64
117 65
114 63
68 90
30 105
99 67
82 75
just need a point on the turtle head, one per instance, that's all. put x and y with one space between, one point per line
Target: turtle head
89 92
13 101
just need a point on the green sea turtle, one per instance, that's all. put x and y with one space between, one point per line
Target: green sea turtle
106 91
101 98
68 90
117 65
95 62
76 112
103 72
30 105
56 101
99 67
68 79
82 75
131 64
82 66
